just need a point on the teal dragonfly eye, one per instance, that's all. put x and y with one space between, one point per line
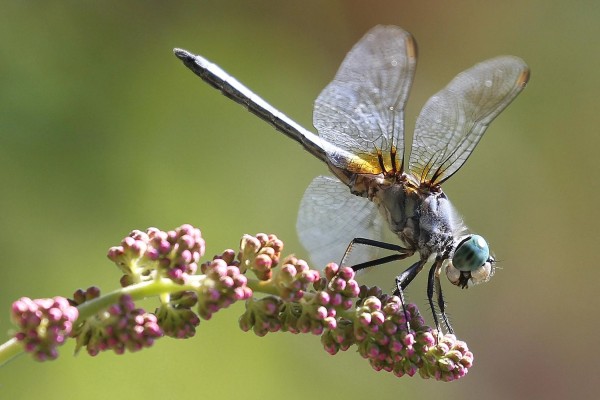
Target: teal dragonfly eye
471 254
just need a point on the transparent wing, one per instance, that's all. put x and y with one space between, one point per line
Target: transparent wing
330 217
362 109
454 120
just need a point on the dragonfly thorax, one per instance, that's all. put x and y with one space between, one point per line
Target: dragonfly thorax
425 221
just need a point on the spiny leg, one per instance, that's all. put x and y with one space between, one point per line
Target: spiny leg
375 243
440 298
430 287
400 293
402 282
434 285
406 277
402 253
379 261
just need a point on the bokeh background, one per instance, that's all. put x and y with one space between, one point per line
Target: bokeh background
102 130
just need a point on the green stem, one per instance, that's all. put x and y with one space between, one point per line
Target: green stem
266 287
12 348
159 287
137 291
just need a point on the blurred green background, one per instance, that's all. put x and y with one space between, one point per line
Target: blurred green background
102 130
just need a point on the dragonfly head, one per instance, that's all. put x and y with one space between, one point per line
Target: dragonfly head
472 263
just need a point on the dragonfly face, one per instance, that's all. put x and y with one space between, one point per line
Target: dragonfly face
360 120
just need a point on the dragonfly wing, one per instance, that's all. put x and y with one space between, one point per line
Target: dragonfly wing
330 217
453 121
362 110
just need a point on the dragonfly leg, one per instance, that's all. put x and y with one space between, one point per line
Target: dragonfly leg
408 275
380 261
402 253
379 244
402 282
400 293
442 303
376 243
434 285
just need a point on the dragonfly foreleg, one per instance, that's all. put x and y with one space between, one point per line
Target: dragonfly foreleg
434 285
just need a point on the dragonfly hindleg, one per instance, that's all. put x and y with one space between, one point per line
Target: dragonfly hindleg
402 253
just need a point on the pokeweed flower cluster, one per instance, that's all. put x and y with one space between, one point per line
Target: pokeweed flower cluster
280 294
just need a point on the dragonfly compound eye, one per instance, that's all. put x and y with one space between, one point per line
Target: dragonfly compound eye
471 254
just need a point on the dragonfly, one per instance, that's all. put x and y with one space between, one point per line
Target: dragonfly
359 118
